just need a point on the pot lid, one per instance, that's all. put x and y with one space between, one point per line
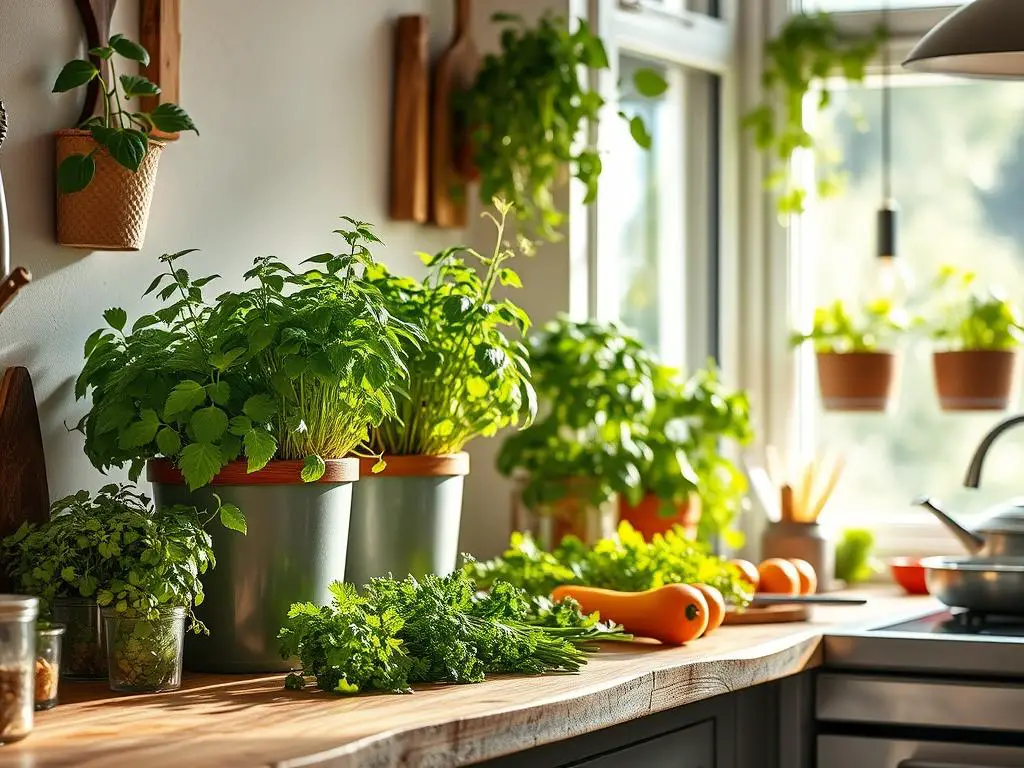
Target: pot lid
1008 517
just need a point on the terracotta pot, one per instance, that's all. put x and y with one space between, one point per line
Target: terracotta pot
111 213
647 519
856 381
974 380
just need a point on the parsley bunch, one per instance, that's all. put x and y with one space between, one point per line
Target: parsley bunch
433 630
626 562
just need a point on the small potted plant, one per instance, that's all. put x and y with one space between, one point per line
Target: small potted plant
106 167
856 367
595 384
688 480
518 143
466 379
140 566
258 399
977 334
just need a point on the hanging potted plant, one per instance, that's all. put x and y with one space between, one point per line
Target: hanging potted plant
259 400
856 367
527 110
466 378
977 335
595 383
106 167
688 480
139 566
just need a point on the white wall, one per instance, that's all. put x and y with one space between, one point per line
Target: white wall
292 100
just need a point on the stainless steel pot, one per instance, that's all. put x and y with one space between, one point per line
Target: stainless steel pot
980 584
1001 535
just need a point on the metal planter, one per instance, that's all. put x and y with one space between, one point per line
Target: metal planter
295 547
405 520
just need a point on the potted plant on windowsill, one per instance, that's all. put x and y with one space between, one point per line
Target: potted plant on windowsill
466 379
856 367
595 383
978 334
140 566
106 168
688 480
259 399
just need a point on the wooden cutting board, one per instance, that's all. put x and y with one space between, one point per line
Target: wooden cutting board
455 71
23 491
770 614
410 145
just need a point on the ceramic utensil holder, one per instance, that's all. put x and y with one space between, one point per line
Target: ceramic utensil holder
805 541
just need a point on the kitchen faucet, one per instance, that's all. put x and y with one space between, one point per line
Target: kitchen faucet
973 478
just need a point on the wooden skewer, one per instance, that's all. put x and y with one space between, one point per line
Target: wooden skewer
786 498
803 506
830 486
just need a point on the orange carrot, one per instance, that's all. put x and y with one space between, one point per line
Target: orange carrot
716 606
673 614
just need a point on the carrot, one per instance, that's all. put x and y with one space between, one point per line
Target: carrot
673 614
716 606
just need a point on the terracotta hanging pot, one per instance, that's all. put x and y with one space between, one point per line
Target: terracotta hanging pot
856 381
648 520
974 380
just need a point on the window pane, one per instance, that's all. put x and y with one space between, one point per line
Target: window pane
875 5
676 7
958 170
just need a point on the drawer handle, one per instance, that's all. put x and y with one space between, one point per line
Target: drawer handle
915 763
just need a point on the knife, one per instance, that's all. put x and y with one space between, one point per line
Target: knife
764 600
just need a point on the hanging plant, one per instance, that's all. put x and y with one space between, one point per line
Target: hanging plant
526 110
808 50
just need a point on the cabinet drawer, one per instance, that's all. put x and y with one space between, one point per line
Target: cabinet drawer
857 752
692 747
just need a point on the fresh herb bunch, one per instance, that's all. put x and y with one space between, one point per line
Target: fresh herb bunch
121 132
625 562
527 109
965 318
466 377
836 328
807 51
596 385
298 366
430 631
691 418
114 547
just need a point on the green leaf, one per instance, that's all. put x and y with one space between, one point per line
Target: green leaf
379 466
219 393
75 73
129 49
185 397
170 118
477 387
145 321
75 173
260 338
140 432
638 130
126 145
456 307
509 277
231 517
168 441
104 52
116 318
313 469
136 85
260 447
199 463
209 424
649 83
224 360
260 408
240 425
490 359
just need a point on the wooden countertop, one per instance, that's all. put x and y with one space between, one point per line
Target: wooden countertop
227 721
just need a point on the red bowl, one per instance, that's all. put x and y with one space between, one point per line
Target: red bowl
909 574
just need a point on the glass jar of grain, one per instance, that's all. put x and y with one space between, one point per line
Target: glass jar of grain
17 665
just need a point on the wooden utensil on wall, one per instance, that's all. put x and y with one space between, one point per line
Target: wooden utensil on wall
96 16
455 71
160 35
410 164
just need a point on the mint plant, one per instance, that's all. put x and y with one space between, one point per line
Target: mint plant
838 329
125 134
963 317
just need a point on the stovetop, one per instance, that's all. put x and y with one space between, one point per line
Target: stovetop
961 622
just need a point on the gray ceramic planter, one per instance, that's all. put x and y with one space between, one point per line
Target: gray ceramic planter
294 549
405 520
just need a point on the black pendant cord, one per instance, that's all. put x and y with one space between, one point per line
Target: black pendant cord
887 212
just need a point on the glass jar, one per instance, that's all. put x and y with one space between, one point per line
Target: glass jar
17 665
144 655
85 645
49 639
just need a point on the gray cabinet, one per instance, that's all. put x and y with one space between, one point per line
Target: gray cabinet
692 747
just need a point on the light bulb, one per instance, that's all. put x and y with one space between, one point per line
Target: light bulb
888 276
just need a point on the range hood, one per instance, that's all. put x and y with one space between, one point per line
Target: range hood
982 39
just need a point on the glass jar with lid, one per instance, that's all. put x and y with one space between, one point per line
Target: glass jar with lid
17 665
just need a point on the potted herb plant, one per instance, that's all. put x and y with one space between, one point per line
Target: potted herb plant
466 378
595 384
688 480
140 566
977 334
856 367
527 109
106 167
258 398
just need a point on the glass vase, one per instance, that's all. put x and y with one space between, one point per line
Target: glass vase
84 655
144 654
49 639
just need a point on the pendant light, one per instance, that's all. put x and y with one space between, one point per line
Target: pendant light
982 39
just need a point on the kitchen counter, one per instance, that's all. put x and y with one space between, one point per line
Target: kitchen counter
218 720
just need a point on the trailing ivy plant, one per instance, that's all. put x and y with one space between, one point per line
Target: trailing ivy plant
837 329
527 109
962 317
296 366
808 50
466 377
595 383
121 132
